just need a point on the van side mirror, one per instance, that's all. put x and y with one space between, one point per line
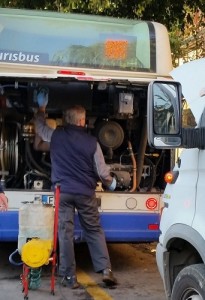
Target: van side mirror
164 120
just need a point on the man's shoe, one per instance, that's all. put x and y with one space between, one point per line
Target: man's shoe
108 278
70 281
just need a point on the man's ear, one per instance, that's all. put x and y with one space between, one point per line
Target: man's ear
82 122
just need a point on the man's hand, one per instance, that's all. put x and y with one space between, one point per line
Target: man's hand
113 185
3 202
42 97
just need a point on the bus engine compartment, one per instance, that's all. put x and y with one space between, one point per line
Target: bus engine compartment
116 115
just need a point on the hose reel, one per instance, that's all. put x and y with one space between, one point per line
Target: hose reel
9 153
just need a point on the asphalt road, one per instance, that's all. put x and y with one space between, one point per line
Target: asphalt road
133 265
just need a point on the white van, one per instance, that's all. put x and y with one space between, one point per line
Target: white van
181 248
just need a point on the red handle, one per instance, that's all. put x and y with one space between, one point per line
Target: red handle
55 236
57 200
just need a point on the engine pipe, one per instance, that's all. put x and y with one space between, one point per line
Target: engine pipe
134 168
141 151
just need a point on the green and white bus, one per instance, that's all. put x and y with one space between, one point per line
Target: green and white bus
106 65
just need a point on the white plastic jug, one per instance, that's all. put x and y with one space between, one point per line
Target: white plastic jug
36 220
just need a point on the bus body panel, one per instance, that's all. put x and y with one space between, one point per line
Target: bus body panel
120 227
120 223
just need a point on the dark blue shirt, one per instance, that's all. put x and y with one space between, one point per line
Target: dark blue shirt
72 152
101 169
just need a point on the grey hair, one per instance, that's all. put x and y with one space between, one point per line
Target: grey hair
74 114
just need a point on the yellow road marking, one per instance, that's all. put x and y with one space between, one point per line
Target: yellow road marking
91 287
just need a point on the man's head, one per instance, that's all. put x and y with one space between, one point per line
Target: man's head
75 115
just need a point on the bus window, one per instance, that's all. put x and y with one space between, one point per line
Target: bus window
77 41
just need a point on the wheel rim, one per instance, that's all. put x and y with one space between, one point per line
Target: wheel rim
191 294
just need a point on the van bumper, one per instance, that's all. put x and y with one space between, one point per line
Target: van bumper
162 259
160 250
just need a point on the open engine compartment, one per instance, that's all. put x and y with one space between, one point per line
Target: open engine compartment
116 115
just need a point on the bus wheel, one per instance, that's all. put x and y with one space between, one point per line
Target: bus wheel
190 283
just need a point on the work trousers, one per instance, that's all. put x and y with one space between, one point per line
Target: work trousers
90 221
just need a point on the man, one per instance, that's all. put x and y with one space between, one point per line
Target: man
77 164
3 200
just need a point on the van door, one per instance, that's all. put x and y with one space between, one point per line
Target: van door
198 222
180 197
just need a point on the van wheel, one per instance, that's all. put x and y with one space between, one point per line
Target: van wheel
190 283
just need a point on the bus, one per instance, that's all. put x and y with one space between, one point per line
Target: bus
105 64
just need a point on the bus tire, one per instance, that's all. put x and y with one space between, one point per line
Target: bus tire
190 283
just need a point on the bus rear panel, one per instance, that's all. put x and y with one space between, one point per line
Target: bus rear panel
106 65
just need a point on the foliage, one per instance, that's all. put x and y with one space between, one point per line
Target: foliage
189 43
167 12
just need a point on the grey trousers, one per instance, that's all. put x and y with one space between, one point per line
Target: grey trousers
90 221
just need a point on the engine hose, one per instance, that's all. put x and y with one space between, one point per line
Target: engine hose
43 160
12 261
134 167
28 152
159 159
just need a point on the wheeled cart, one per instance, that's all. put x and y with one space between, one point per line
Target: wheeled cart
37 252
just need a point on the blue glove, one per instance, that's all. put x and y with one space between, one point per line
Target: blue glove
42 97
113 185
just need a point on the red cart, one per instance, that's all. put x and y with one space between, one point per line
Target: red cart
53 259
